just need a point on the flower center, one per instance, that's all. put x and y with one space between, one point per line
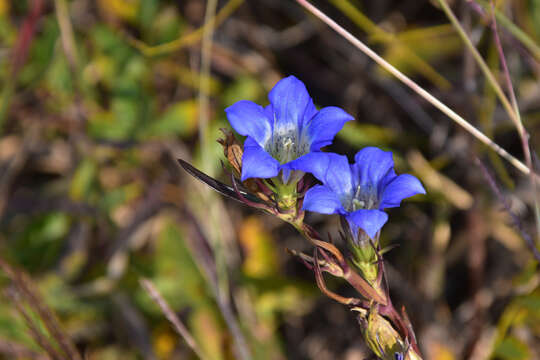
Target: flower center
286 147
363 198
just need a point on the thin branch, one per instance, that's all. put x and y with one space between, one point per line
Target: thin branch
416 88
180 328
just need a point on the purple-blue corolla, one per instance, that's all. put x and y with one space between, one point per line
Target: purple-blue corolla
360 191
281 134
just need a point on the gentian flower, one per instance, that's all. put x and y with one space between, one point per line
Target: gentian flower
360 191
282 133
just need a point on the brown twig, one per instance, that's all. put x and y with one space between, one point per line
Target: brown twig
355 280
319 279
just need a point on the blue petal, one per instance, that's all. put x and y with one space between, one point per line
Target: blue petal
400 188
309 114
323 200
371 165
290 102
249 119
325 125
387 179
269 112
257 163
293 167
331 169
371 221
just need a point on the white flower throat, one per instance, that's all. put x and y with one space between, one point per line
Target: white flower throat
363 199
284 146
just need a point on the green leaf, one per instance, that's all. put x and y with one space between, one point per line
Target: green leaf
359 135
40 241
41 52
82 180
244 88
174 272
512 349
179 119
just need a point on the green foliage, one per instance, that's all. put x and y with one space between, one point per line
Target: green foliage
512 349
37 242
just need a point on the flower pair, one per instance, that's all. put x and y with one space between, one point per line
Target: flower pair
286 136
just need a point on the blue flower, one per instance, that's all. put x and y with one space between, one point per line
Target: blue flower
280 134
360 191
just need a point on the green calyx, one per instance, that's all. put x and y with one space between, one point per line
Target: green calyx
365 259
286 197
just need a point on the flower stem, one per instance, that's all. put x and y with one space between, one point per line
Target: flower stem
355 280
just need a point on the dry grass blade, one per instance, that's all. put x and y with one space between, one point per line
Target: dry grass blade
389 39
519 124
171 316
20 55
482 64
36 334
519 34
67 35
17 351
24 290
416 88
204 81
204 254
222 285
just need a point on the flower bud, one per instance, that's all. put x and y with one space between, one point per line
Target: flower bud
364 255
382 338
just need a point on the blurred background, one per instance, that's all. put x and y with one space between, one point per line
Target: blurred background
99 98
